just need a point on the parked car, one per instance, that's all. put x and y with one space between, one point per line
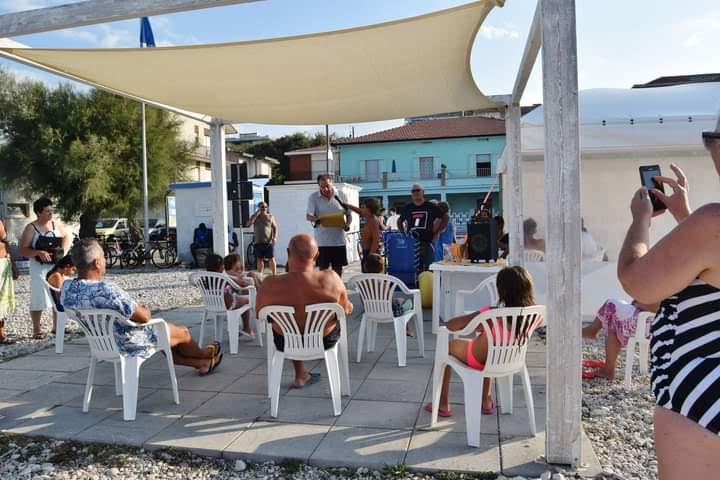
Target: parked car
161 233
112 226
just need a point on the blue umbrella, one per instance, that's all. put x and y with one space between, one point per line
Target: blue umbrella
147 39
394 168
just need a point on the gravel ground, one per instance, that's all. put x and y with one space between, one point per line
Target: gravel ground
41 459
618 422
159 289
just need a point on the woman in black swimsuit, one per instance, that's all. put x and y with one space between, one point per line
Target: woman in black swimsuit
683 272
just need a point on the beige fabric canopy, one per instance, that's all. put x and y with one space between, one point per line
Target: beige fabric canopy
404 68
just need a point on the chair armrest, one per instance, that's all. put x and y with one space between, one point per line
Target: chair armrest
442 342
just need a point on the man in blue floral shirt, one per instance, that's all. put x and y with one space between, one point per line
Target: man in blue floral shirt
91 291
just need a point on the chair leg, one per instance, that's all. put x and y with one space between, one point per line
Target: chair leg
130 367
256 325
420 333
344 363
202 329
629 359
333 370
400 341
173 376
529 402
643 353
361 338
438 370
473 413
372 335
504 387
274 378
60 332
118 379
270 354
89 385
233 327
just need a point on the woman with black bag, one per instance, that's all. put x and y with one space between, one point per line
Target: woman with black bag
43 243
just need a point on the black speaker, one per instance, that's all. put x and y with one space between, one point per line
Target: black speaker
240 213
238 172
240 191
482 241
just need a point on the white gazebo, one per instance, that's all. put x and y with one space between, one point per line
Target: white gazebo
426 71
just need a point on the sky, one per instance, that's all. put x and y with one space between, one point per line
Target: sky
620 42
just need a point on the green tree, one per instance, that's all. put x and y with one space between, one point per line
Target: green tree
83 149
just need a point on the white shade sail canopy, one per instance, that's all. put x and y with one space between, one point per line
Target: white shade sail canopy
410 67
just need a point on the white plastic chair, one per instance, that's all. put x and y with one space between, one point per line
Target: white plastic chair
506 357
99 328
307 345
61 317
488 286
376 292
534 256
212 288
643 342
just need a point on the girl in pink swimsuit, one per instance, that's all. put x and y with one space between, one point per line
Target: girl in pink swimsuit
515 289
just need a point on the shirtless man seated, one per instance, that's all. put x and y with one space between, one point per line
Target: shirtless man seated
302 285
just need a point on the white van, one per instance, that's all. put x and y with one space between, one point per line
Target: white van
112 226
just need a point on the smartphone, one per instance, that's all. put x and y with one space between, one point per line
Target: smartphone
647 174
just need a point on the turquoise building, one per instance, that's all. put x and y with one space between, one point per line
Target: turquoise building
454 159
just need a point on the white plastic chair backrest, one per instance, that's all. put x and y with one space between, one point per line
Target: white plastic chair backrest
52 291
309 340
534 256
212 289
642 331
508 332
489 285
98 326
376 292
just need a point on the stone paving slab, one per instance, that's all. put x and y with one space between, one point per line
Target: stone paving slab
62 422
201 435
23 380
233 405
52 394
265 441
361 447
313 411
391 391
394 415
114 429
433 450
59 363
103 398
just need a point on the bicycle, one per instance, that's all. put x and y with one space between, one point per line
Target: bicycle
161 256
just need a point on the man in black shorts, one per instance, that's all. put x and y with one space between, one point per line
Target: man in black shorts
424 220
266 231
329 237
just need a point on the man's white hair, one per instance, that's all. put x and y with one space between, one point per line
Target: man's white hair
416 186
85 252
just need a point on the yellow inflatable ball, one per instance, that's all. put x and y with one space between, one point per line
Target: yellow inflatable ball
425 282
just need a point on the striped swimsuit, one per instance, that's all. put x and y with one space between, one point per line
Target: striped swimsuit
685 354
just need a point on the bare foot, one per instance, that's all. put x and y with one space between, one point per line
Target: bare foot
487 403
604 373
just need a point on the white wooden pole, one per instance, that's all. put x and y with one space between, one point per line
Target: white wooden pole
90 12
146 208
219 187
515 191
563 255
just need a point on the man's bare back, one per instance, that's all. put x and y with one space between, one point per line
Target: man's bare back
299 289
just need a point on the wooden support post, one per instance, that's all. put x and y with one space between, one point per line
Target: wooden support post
515 190
219 187
563 255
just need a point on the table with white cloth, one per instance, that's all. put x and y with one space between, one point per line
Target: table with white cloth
599 283
450 277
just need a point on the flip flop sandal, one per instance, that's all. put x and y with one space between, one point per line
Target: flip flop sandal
588 374
215 348
441 412
593 363
39 336
489 411
314 378
214 363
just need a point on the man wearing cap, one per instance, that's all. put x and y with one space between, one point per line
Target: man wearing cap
324 207
266 232
424 220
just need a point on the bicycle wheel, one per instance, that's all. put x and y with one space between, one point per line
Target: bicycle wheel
163 257
250 259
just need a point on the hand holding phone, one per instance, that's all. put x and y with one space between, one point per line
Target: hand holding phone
647 177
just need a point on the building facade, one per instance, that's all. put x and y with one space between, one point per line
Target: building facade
454 159
306 164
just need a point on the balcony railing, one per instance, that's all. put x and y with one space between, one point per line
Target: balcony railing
408 177
484 172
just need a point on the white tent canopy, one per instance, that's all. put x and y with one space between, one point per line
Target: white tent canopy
398 69
618 119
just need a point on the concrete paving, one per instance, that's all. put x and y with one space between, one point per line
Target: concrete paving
226 414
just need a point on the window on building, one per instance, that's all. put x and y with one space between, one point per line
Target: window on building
427 167
483 166
372 170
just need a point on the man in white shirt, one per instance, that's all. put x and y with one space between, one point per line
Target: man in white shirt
392 221
330 239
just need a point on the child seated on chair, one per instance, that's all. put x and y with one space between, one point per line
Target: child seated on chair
57 275
619 319
231 265
401 303
515 289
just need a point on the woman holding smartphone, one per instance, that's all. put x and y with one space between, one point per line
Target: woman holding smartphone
682 271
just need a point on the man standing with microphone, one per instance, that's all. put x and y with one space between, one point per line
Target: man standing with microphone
331 220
